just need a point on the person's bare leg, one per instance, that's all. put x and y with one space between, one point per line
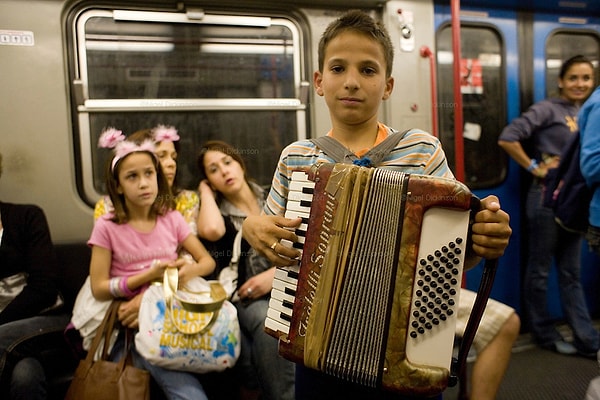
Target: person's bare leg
491 363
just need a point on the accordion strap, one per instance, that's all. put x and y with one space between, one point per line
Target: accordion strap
483 294
372 158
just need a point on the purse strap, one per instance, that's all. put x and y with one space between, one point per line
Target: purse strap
237 248
171 291
104 331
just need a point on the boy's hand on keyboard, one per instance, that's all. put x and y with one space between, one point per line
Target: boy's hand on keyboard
264 232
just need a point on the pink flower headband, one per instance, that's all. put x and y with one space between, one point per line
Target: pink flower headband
163 132
112 138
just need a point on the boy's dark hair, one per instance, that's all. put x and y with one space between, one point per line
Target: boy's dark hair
164 200
358 21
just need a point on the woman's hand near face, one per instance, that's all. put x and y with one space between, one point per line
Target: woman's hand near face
211 225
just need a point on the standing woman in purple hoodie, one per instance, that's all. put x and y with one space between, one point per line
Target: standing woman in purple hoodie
548 125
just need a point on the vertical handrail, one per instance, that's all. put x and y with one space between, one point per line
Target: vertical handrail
426 52
459 151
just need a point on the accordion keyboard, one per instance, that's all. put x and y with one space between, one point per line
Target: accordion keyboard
285 282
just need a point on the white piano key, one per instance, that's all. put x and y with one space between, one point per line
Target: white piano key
281 307
296 206
283 285
276 326
287 274
279 295
278 316
301 176
299 196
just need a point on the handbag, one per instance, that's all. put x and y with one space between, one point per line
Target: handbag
107 380
193 328
228 277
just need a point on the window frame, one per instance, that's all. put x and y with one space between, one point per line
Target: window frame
84 107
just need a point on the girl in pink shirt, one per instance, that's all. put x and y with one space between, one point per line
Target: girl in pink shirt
132 246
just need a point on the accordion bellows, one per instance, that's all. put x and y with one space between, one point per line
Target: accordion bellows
377 288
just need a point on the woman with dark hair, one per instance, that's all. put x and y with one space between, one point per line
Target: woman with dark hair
550 124
227 197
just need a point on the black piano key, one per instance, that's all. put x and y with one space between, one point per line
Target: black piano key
285 317
293 274
287 304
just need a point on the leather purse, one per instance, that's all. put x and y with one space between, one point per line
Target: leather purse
107 380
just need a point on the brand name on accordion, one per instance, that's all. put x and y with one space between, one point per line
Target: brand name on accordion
317 259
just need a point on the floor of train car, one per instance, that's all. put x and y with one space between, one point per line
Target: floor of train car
536 374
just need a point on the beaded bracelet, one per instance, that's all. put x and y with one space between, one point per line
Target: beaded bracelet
114 286
124 288
532 165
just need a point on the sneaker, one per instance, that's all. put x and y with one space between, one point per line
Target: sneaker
562 347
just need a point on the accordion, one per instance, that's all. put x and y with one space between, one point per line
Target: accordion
374 298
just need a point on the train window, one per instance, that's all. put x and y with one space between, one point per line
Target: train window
227 77
561 46
483 96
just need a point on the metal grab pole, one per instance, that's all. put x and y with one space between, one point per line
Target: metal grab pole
459 151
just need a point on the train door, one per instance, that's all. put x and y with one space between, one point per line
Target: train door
490 95
556 38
